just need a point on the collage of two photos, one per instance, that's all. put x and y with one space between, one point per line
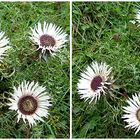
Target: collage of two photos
37 43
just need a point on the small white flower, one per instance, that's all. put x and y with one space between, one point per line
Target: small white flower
137 19
30 101
132 113
95 81
4 41
48 37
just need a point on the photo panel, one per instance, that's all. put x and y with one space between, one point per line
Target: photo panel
106 69
34 69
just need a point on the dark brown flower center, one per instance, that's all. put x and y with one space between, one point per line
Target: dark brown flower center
47 40
138 114
27 105
96 83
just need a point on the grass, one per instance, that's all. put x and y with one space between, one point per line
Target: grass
23 62
102 32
